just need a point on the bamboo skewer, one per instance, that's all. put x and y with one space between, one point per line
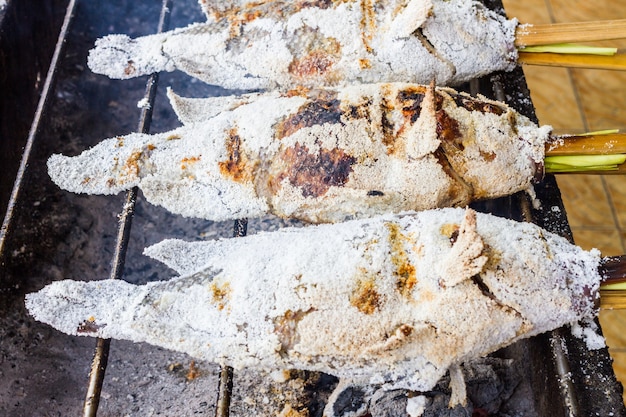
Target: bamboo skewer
531 35
614 271
607 144
612 299
615 62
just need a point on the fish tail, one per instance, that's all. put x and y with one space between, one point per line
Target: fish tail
122 57
113 165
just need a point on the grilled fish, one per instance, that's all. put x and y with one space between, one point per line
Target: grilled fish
394 300
323 155
284 44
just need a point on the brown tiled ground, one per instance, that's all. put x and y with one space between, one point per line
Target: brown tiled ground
574 101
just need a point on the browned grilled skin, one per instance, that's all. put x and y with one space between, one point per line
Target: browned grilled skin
237 166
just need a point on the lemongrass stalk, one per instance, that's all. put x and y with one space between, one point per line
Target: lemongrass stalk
570 48
581 163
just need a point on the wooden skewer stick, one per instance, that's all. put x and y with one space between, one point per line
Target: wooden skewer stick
608 144
615 62
531 35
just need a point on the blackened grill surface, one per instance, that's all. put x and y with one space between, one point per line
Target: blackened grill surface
62 235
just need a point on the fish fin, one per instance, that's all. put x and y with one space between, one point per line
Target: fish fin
213 198
466 258
349 399
122 57
457 386
410 18
422 138
183 257
195 110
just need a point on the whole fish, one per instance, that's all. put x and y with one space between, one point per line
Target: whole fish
284 44
323 155
394 300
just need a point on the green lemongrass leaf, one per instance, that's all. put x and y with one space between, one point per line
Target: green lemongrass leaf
586 160
581 163
615 286
570 48
554 165
556 170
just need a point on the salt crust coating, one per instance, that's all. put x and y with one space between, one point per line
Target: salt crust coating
321 156
284 44
393 299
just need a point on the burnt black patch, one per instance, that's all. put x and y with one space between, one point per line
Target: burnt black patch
316 173
314 112
448 130
349 400
375 193
473 104
411 102
359 111
387 126
454 236
476 279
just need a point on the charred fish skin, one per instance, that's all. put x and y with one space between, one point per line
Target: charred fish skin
394 300
285 44
323 155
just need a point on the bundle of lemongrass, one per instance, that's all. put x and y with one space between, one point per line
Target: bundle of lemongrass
593 153
551 44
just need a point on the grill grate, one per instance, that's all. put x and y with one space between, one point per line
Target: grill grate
559 365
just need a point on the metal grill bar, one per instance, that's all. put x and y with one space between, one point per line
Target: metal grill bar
99 363
46 94
225 384
556 338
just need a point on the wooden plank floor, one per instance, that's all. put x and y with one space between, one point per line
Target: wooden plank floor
582 100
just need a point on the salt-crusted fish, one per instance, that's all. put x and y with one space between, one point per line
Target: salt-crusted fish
395 300
321 156
283 44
